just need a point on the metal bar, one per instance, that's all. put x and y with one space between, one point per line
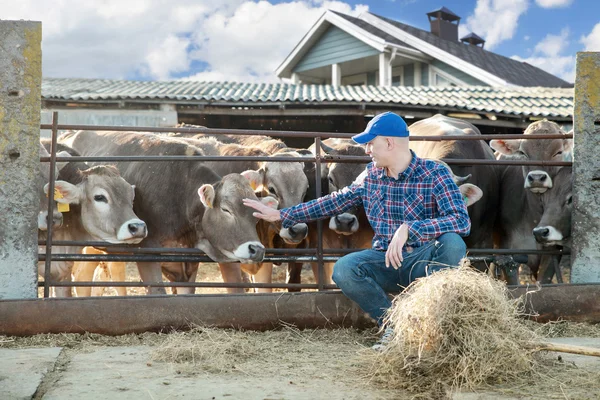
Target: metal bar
293 134
318 188
222 285
166 258
329 159
305 251
137 314
50 217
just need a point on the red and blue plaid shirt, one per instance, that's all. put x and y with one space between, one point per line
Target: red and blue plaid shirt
424 197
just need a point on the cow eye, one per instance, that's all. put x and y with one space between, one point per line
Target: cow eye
570 200
227 211
100 198
331 180
272 190
558 154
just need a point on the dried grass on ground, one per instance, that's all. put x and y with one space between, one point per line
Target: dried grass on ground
459 330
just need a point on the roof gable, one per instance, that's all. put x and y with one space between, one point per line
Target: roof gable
334 46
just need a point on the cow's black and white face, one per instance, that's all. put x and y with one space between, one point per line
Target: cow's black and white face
555 225
228 228
537 179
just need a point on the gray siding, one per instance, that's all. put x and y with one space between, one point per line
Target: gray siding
371 78
425 74
409 75
468 79
335 46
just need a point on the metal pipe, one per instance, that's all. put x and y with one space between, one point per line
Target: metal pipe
50 216
294 134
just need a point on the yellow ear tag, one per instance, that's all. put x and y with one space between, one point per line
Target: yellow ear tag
60 206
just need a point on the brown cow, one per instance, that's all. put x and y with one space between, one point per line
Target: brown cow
521 206
184 204
101 209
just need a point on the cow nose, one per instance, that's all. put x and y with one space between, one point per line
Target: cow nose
299 231
541 233
257 252
536 177
137 229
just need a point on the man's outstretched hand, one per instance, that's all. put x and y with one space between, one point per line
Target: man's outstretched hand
262 211
393 255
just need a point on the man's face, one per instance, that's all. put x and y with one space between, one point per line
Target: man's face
379 150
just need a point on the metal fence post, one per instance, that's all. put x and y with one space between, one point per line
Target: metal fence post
20 99
586 170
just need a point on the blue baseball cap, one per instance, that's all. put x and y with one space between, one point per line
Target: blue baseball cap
386 124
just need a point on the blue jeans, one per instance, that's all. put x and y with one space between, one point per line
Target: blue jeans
364 278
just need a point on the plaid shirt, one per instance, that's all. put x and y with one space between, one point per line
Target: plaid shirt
424 197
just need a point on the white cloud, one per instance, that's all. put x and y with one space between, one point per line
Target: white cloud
552 45
547 55
160 39
591 42
496 20
553 3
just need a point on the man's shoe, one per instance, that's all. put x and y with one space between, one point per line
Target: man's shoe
384 340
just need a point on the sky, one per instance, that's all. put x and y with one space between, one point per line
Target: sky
245 41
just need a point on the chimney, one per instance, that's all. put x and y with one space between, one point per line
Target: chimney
473 39
442 24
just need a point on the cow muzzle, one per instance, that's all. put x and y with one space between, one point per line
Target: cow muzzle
132 231
250 252
547 235
538 181
294 234
344 224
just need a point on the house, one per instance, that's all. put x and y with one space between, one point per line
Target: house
374 50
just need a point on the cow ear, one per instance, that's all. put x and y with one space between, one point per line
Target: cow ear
64 192
270 202
207 195
133 191
255 178
506 147
471 193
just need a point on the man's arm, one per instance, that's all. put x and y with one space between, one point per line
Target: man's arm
451 208
326 206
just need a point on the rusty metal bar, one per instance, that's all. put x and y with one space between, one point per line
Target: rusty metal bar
293 134
49 217
329 159
222 285
140 257
137 314
319 189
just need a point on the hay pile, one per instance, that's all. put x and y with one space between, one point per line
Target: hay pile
456 329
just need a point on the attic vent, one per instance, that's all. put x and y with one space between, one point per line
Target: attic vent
473 39
444 24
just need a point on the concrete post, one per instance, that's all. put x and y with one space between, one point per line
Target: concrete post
20 98
586 171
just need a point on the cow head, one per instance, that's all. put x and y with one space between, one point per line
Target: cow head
554 227
105 200
42 179
536 179
228 228
286 182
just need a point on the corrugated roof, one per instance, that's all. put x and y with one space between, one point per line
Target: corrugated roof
531 101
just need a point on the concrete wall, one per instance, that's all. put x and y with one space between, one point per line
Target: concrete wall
20 98
586 171
154 118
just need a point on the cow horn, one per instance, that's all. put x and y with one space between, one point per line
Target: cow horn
327 149
461 179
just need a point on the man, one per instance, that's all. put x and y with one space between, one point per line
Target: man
416 210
